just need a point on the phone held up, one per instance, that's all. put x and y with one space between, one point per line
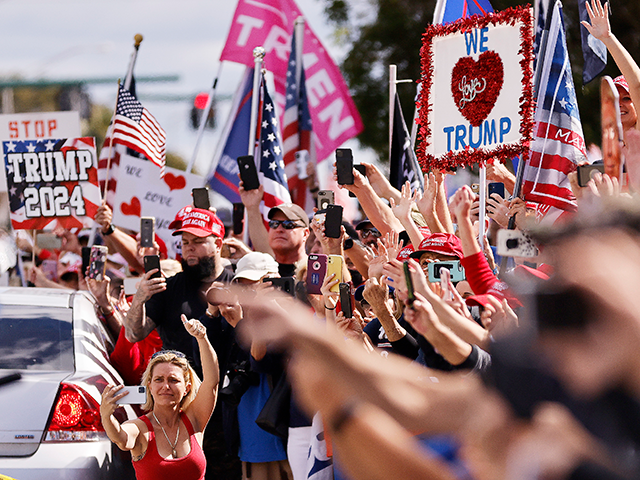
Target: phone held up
147 226
201 198
248 172
344 166
586 172
316 270
325 197
98 262
137 395
345 300
333 221
456 271
286 284
334 265
411 297
151 262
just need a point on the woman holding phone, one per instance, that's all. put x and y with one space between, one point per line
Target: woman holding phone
167 441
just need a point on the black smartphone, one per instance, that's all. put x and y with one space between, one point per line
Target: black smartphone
411 297
86 258
248 172
345 300
495 187
238 218
585 173
325 197
333 221
286 284
151 262
147 226
201 198
344 166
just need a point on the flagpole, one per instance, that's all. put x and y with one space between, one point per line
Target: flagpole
393 75
132 62
258 56
203 120
299 29
483 204
115 109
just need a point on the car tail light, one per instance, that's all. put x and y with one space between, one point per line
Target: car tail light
76 417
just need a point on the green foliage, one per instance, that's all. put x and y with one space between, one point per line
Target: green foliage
391 34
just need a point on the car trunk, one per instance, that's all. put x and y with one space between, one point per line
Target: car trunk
26 405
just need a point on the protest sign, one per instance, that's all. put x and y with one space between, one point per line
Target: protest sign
52 182
476 100
37 126
141 193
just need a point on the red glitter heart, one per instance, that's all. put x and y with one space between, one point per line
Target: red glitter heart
175 182
475 85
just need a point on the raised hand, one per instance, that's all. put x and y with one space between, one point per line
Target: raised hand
148 286
599 17
461 202
194 327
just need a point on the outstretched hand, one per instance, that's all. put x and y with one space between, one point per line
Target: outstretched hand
194 327
599 17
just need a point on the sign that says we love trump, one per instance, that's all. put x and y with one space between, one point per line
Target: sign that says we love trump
476 100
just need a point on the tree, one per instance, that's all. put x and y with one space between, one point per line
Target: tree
391 33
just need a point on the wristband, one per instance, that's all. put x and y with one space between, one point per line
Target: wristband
329 308
110 229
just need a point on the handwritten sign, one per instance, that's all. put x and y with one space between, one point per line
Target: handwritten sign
476 99
52 182
141 193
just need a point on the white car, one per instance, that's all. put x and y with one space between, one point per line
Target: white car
54 364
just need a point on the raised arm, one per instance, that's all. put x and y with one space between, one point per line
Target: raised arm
402 211
257 231
125 435
202 406
117 240
136 323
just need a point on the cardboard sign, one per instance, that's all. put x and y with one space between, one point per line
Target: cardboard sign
52 182
476 101
141 193
37 126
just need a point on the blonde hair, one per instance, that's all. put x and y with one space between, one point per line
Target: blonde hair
190 377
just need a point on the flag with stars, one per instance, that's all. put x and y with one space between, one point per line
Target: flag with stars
271 162
296 128
558 144
52 182
137 129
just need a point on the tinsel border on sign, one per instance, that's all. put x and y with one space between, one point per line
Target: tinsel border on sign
469 156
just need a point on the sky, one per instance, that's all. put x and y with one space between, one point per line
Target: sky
84 39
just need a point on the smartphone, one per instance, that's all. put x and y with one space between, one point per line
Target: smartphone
147 236
286 284
333 221
515 243
316 270
238 218
326 197
475 188
201 198
585 173
345 300
456 271
411 297
302 158
130 285
248 172
98 262
86 259
334 265
495 187
137 395
48 241
50 269
151 262
344 166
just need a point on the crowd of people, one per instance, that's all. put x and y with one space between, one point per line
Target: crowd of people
404 348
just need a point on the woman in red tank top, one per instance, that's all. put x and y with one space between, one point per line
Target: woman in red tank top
167 441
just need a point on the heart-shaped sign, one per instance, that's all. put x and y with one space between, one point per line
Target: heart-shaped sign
175 182
131 208
475 85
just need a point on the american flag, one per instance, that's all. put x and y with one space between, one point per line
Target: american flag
296 126
558 144
271 164
136 128
50 195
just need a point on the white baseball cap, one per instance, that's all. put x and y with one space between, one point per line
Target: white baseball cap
255 265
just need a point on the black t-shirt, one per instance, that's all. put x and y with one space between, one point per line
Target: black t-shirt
165 308
287 269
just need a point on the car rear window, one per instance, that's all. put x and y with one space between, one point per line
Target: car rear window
36 338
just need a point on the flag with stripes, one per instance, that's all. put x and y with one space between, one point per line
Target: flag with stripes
296 127
137 129
448 11
234 142
52 182
270 157
558 144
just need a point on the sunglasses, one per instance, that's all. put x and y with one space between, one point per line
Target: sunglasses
286 224
174 352
365 232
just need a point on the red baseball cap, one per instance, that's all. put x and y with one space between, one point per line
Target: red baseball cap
201 223
405 253
177 222
621 82
479 300
443 243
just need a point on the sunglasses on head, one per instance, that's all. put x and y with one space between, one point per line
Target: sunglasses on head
370 231
286 224
174 352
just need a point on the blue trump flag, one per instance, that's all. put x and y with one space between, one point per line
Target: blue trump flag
225 179
594 51
448 11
